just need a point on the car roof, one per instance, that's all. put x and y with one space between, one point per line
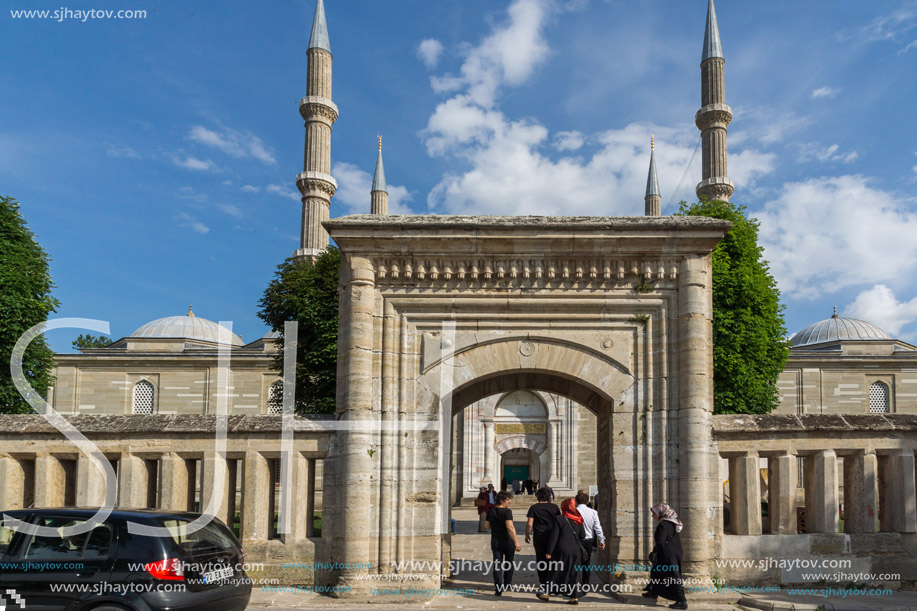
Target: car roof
119 513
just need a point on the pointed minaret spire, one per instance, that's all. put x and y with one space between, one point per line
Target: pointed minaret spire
380 190
714 116
319 37
315 182
653 198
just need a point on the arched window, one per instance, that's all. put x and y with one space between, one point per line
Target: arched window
275 399
878 398
143 397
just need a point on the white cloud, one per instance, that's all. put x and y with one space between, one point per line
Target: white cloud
250 189
429 51
568 141
186 220
910 46
354 187
886 27
233 142
824 234
193 163
879 306
122 151
284 191
230 209
825 92
226 183
813 151
507 56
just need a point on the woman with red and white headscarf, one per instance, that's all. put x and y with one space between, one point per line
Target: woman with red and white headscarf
665 575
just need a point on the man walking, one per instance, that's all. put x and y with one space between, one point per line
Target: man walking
594 535
503 541
541 522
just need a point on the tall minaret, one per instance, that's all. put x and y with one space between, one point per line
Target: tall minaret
380 190
653 199
714 115
315 182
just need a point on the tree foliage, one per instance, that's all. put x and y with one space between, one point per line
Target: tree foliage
749 333
307 292
91 341
25 301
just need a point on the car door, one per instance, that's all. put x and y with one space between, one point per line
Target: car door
58 570
10 570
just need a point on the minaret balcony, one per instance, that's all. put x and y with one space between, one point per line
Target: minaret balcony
713 115
311 106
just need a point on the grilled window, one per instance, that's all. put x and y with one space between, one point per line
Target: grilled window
275 399
878 398
143 398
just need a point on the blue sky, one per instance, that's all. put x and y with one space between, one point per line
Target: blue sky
156 158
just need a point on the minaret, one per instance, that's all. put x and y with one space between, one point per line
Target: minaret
319 112
379 190
653 199
714 115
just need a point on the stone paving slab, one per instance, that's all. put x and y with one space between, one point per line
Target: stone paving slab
898 601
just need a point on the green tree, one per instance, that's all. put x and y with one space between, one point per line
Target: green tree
25 301
307 292
91 341
749 333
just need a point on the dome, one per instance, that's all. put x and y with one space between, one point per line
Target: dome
186 327
837 328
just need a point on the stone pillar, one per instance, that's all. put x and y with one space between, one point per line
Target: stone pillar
134 481
12 483
352 538
551 454
781 495
256 497
745 495
822 506
224 502
91 485
50 482
301 519
174 477
899 513
698 489
861 505
309 512
490 440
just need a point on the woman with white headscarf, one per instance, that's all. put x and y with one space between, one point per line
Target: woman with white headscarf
665 575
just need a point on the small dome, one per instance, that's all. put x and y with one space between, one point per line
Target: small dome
186 327
837 328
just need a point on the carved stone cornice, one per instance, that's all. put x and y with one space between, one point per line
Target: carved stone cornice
310 183
313 107
713 115
521 272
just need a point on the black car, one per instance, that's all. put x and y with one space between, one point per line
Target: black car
111 568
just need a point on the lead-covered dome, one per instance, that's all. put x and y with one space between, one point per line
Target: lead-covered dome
837 328
186 327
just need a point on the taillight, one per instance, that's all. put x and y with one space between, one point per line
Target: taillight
169 569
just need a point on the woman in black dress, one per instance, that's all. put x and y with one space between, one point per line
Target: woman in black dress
566 549
665 575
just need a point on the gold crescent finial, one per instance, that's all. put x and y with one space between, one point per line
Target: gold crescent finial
190 313
380 143
835 312
652 142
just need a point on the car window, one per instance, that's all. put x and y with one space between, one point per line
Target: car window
209 538
95 544
6 537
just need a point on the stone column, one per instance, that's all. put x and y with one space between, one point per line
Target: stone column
50 482
310 498
256 497
134 481
90 487
352 538
551 453
174 477
224 504
490 440
861 505
781 495
698 503
301 518
899 513
12 483
821 492
745 495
